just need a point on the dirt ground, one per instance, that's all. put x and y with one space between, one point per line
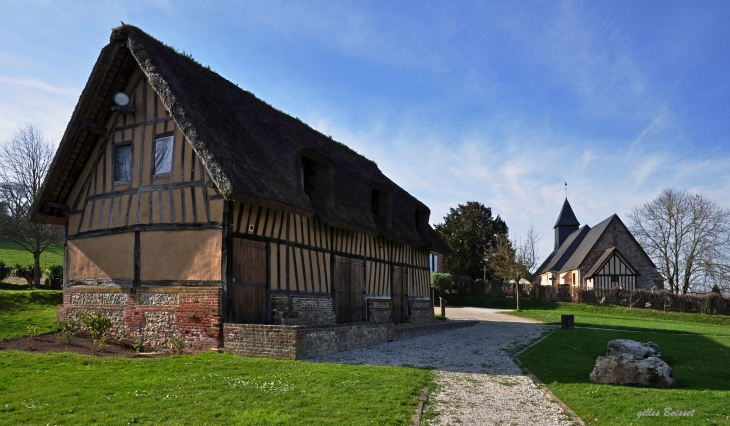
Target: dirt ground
80 344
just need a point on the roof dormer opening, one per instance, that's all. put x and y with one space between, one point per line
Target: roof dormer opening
375 202
308 175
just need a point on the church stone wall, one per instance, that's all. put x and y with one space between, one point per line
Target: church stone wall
619 236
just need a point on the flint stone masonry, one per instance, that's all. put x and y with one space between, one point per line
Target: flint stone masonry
302 310
302 342
618 236
633 363
380 310
156 314
87 298
420 311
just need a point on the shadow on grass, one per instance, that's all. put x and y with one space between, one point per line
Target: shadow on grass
568 356
11 286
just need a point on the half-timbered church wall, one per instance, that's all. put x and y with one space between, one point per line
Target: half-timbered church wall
144 237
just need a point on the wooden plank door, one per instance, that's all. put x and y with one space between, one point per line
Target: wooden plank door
400 295
249 285
357 290
341 286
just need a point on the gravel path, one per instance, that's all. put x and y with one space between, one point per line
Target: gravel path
477 382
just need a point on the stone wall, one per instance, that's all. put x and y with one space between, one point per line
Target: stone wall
380 310
420 311
302 342
617 235
155 314
302 310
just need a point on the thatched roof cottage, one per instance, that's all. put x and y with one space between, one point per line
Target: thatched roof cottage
189 203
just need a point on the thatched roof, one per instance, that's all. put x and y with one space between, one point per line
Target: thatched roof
249 148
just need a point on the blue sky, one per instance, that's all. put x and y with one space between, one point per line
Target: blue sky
497 102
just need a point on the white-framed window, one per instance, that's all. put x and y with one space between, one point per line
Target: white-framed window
122 163
163 155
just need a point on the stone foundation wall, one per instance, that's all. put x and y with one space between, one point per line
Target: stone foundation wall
420 311
302 310
302 342
155 314
380 310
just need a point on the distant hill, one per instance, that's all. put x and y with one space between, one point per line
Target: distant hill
11 254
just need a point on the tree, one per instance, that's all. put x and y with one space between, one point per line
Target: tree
24 162
688 238
515 260
470 231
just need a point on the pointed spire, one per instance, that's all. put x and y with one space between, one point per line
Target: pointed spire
566 217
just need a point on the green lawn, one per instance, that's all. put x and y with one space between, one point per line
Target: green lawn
20 309
696 346
207 388
11 254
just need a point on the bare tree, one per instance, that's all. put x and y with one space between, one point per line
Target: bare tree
515 260
24 162
688 238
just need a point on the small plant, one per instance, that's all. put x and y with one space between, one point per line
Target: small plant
98 324
440 317
33 332
177 344
68 330
138 345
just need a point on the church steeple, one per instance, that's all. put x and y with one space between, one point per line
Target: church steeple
566 224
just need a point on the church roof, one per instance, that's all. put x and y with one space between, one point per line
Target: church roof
249 148
559 257
566 216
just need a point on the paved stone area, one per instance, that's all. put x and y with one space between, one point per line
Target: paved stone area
477 382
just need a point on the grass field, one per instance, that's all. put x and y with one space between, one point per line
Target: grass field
20 309
12 254
207 388
696 346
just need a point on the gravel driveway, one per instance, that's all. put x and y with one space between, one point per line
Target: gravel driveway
477 382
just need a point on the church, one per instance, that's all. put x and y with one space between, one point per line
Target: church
604 256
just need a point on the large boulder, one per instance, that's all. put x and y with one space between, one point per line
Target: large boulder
633 363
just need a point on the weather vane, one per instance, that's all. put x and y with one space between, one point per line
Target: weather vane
566 189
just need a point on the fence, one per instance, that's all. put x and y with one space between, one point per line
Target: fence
663 300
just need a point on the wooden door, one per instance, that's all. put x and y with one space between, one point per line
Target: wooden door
357 290
349 289
249 286
400 295
341 286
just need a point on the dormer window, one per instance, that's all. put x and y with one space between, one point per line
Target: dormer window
309 170
375 202
163 155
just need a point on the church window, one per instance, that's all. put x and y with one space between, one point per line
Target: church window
163 155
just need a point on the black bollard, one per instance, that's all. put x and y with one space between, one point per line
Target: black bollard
567 322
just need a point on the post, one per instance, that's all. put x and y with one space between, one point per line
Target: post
442 303
517 291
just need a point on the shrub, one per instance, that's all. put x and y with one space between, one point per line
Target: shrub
68 330
24 272
4 270
177 344
441 282
138 345
98 324
56 270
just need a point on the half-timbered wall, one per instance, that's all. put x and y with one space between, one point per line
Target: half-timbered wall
185 196
615 273
301 250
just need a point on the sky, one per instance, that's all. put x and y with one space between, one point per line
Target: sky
456 101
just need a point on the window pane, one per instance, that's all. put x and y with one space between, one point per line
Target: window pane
163 155
123 162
